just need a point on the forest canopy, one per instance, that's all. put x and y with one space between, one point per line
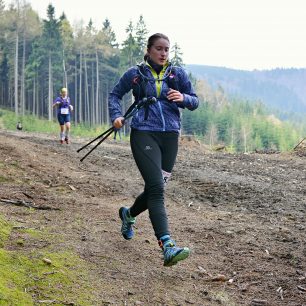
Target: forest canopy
39 56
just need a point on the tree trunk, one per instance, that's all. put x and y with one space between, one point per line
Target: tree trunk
16 73
80 87
64 69
106 104
92 97
50 90
34 110
97 88
76 109
22 89
87 118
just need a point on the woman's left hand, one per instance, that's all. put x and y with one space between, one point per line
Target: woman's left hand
175 96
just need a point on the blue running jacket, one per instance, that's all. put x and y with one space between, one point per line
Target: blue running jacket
162 115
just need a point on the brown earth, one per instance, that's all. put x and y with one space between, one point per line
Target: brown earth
242 215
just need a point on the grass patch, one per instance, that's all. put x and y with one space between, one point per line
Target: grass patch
31 123
26 277
223 298
5 229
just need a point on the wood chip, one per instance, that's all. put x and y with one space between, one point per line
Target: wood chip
301 288
220 278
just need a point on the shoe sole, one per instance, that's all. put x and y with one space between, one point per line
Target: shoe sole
181 256
121 217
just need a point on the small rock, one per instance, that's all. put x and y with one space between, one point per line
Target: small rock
47 261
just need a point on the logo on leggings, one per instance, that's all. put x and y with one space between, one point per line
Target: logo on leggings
166 176
147 148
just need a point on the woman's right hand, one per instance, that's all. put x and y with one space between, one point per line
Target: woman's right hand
118 122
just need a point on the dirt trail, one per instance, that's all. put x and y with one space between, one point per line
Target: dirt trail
243 216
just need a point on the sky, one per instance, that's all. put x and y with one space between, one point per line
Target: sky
239 34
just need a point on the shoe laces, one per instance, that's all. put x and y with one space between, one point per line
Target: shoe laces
167 244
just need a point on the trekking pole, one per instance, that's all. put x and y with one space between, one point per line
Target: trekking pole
110 130
105 132
132 110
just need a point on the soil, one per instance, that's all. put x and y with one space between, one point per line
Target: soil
242 216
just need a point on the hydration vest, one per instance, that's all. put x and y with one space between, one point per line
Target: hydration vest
141 80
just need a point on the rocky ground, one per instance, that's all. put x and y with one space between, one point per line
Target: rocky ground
242 215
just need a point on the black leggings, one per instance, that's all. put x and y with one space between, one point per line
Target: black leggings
154 154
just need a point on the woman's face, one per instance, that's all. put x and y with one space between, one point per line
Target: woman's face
159 51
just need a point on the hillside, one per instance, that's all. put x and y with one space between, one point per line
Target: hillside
282 89
243 216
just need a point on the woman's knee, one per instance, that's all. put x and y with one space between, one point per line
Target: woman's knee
155 189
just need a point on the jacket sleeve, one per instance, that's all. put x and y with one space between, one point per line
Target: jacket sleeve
58 99
191 100
123 86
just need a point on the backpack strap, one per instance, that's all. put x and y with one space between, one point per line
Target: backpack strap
141 81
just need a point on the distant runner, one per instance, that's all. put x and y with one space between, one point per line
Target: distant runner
154 135
63 114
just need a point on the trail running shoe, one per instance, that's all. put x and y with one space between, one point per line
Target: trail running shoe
172 254
62 141
67 140
127 223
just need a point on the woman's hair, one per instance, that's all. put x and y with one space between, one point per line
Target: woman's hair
152 39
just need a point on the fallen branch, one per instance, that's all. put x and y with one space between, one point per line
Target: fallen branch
301 288
27 204
299 143
257 302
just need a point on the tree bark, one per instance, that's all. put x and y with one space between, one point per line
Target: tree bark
50 89
16 74
97 88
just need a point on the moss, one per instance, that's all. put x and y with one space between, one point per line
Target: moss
5 229
12 278
223 298
4 179
25 277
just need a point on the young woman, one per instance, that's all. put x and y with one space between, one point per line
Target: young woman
63 114
154 135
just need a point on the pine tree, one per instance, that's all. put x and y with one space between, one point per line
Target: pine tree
176 55
130 49
52 44
109 34
141 38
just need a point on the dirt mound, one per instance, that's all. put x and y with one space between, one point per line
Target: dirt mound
242 215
